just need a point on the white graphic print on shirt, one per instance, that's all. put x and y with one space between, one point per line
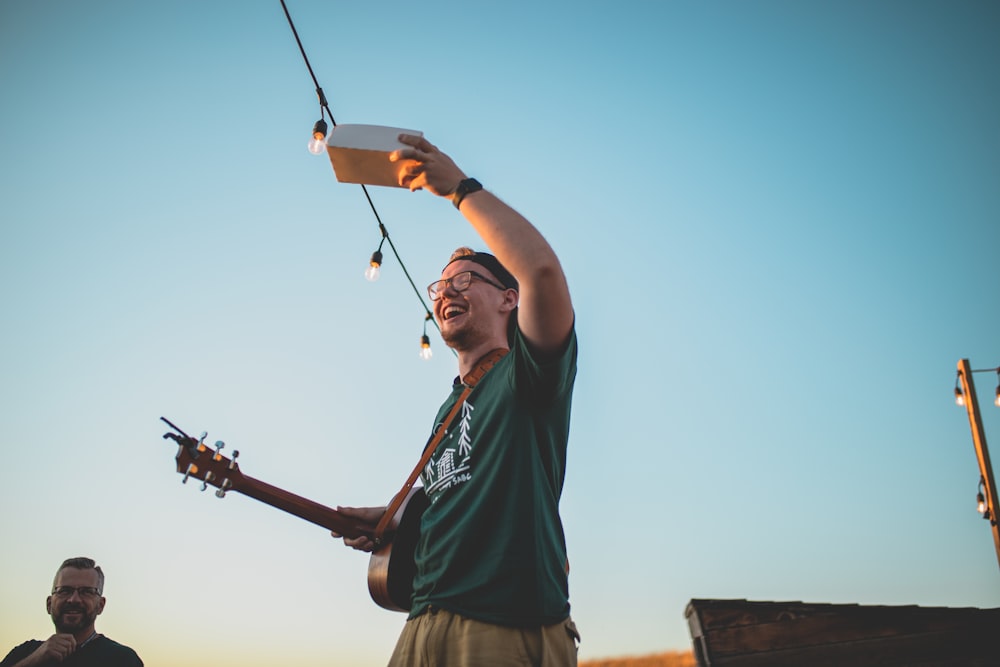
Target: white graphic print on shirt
453 465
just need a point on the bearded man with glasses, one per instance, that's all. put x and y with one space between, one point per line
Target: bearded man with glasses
491 583
75 603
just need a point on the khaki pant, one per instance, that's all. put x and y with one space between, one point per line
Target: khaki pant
439 638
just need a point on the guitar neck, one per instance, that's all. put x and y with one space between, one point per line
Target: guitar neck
321 515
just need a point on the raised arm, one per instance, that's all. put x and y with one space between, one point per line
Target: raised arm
545 310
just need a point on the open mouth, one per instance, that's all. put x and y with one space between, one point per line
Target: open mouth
452 310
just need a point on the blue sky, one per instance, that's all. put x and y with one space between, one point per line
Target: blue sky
780 225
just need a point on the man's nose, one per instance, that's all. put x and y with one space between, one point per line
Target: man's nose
449 288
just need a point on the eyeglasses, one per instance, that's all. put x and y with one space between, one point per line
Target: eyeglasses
84 591
459 282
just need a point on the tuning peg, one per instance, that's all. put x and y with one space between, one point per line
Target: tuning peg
236 455
191 469
225 486
209 476
218 449
201 441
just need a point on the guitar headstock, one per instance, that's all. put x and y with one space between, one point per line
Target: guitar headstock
196 459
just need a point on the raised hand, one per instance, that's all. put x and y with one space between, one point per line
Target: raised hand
430 169
57 647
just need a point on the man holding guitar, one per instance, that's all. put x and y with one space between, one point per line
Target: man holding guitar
490 583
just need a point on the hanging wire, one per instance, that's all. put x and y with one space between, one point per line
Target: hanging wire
319 91
325 109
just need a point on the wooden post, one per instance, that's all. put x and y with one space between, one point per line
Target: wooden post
982 452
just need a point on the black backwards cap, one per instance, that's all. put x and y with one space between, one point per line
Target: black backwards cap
492 264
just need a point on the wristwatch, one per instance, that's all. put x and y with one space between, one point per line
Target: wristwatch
466 187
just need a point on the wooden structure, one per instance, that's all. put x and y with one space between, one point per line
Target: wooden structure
741 633
971 401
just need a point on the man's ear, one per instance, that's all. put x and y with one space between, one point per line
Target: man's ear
510 299
48 605
100 606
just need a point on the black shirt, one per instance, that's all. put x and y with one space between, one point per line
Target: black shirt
100 652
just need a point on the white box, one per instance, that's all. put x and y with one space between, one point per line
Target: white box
360 153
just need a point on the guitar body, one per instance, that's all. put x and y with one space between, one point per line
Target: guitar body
391 568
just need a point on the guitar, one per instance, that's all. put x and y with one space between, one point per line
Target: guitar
391 567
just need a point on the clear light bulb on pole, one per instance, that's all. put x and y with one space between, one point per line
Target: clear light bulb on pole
425 348
374 267
317 145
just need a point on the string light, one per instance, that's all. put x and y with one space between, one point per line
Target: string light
374 265
981 506
425 343
960 394
317 145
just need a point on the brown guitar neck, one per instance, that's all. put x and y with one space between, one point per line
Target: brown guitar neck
321 515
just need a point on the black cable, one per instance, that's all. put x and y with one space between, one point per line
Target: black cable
386 237
319 91
325 107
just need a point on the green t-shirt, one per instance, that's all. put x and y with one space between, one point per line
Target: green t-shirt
491 542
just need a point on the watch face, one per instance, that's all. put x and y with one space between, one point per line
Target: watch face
466 186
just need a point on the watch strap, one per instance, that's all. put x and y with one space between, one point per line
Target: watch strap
465 187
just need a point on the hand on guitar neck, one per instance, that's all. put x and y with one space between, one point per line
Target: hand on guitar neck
391 567
364 515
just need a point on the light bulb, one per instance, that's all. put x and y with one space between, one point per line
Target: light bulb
996 401
980 503
959 397
374 266
425 348
317 145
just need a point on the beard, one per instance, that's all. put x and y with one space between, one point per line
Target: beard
458 339
468 336
85 617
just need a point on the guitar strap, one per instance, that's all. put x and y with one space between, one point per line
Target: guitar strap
470 381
